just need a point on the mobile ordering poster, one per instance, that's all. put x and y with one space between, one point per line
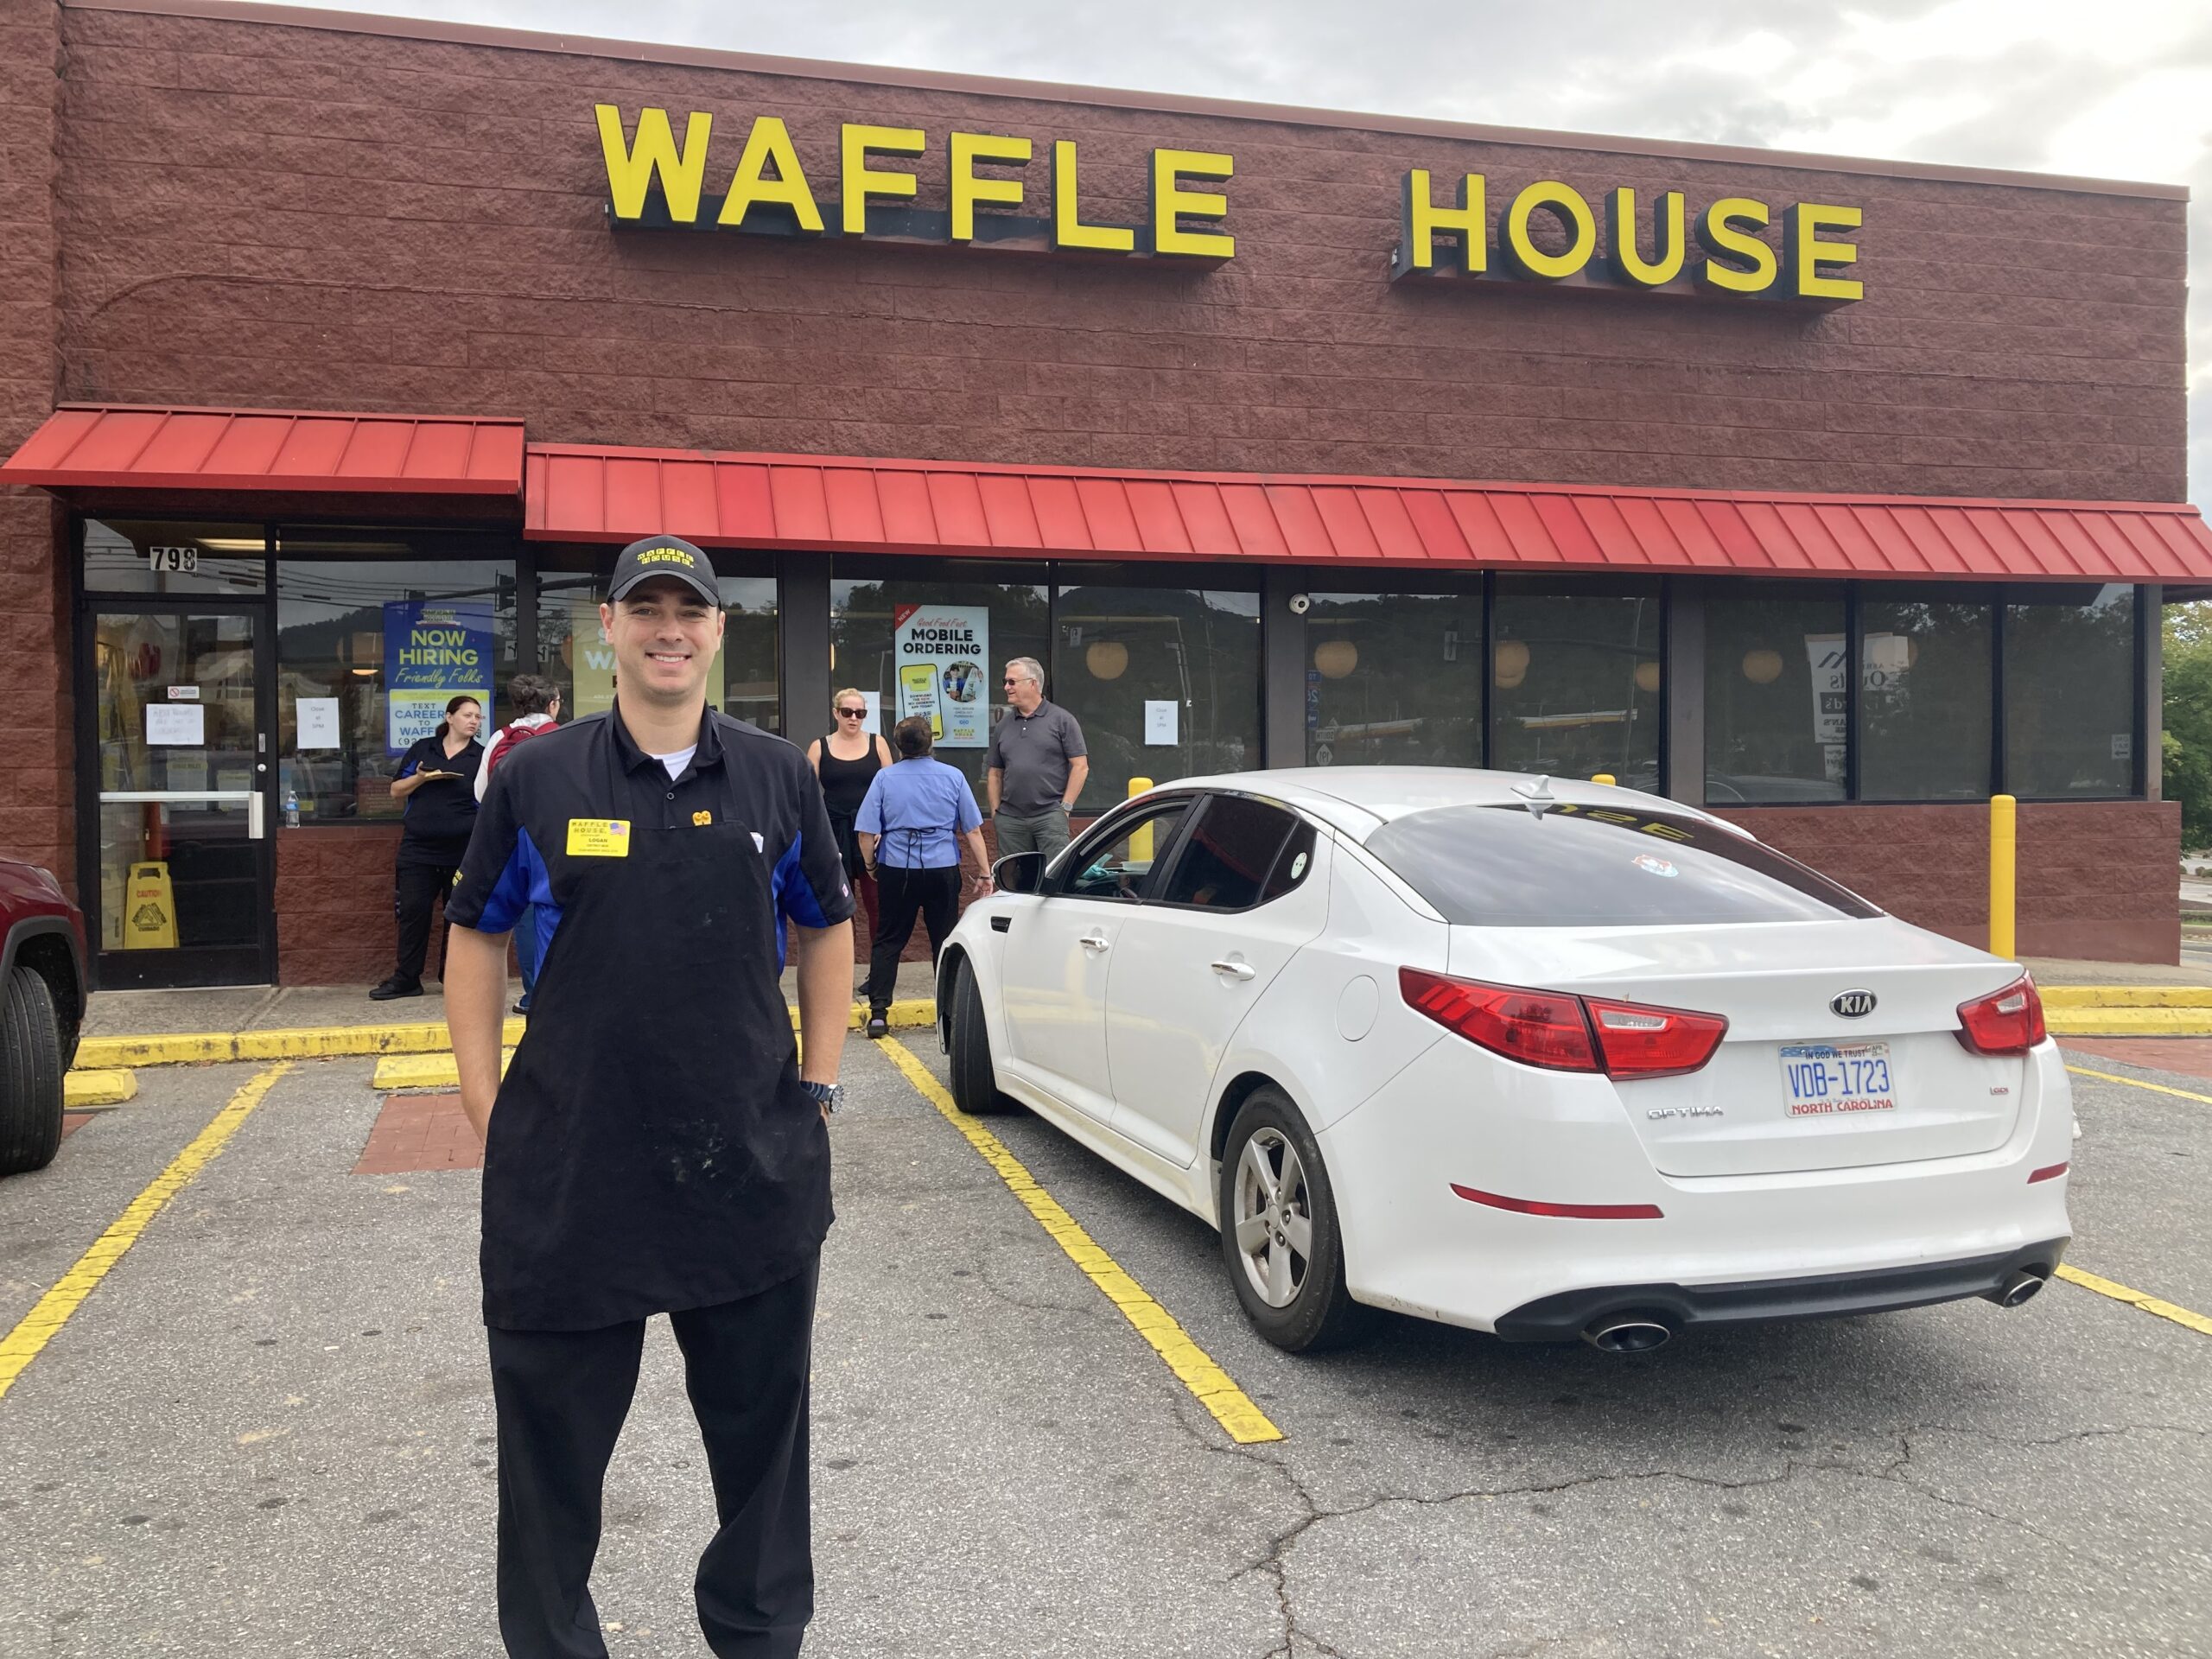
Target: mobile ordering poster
943 657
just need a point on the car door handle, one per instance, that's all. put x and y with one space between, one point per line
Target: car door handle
1235 969
1096 942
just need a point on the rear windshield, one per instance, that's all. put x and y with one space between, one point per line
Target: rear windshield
1591 867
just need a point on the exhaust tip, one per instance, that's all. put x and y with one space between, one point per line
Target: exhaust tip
2021 1287
1629 1333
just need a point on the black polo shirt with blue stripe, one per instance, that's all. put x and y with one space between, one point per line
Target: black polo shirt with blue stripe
739 774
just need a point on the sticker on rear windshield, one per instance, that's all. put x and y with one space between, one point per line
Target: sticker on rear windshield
1654 866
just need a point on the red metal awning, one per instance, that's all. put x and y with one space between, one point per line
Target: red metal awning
595 494
108 447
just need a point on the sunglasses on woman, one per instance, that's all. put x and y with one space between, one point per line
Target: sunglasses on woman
854 714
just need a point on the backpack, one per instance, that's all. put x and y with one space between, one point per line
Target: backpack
509 736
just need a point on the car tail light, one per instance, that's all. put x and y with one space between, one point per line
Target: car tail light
1542 1028
2009 1021
1647 1042
1560 1032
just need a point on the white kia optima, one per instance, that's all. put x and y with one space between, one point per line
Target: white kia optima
1545 1058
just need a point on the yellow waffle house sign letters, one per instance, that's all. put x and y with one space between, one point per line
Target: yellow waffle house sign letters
1008 193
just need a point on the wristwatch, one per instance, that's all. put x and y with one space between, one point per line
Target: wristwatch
828 1095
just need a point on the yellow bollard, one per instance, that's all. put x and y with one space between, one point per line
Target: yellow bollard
1601 777
1141 842
2003 813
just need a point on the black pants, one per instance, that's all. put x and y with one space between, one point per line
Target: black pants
561 1397
901 894
423 877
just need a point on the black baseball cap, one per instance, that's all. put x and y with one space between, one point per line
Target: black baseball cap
663 556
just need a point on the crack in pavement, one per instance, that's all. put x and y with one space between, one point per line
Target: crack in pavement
1274 1564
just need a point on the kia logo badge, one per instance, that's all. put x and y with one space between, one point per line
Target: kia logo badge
1854 1005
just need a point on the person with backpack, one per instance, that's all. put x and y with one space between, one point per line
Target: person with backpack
537 702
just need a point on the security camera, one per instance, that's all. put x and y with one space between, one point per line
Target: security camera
1300 604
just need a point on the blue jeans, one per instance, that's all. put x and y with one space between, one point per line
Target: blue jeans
526 951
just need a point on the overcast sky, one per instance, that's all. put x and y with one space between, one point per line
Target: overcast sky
2121 89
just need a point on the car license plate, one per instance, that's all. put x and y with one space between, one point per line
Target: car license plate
1831 1080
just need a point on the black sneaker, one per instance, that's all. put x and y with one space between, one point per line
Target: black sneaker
396 987
878 1025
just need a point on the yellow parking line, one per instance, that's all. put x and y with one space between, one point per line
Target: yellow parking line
22 1344
1244 1422
2120 1293
2159 1088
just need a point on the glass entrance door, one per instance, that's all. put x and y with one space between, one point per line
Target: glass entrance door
178 841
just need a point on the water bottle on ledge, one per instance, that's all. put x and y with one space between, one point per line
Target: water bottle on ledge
291 809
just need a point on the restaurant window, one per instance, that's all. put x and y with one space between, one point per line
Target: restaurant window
747 682
1576 679
376 630
1394 679
934 645
144 555
1165 680
1925 695
2069 691
1776 695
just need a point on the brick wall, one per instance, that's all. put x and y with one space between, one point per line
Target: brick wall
2096 879
334 907
304 217
37 817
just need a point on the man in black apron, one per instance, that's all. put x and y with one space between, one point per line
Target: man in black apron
657 1147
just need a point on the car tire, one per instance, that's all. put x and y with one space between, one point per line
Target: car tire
1319 1312
30 1074
975 1079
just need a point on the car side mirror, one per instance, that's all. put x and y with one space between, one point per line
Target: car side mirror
1019 873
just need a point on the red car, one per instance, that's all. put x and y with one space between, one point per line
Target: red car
41 1008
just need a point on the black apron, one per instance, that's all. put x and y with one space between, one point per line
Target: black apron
664 1161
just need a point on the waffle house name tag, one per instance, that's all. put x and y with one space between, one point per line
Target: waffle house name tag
599 837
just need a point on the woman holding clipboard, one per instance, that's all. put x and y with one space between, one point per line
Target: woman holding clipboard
438 780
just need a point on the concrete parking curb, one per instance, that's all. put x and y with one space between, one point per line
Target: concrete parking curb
2129 1010
95 1092
2127 996
339 1042
306 1043
2128 1023
438 1070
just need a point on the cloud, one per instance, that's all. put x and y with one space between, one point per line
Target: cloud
2053 85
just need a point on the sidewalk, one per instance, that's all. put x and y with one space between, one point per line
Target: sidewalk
293 1007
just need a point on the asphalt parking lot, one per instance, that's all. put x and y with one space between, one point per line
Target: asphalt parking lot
267 1430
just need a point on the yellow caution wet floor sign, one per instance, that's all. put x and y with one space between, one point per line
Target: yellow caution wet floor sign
149 908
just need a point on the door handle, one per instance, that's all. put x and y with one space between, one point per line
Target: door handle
1235 969
1095 943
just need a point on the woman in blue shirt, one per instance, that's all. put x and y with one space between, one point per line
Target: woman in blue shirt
916 813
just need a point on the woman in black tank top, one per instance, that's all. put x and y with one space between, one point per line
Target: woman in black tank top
847 761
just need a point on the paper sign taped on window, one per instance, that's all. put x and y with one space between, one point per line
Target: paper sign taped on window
182 723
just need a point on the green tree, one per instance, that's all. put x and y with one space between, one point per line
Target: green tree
2188 738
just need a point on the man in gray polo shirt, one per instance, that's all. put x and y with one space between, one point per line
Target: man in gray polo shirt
1035 769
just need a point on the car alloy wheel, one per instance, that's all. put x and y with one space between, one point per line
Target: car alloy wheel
1275 1225
1280 1238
